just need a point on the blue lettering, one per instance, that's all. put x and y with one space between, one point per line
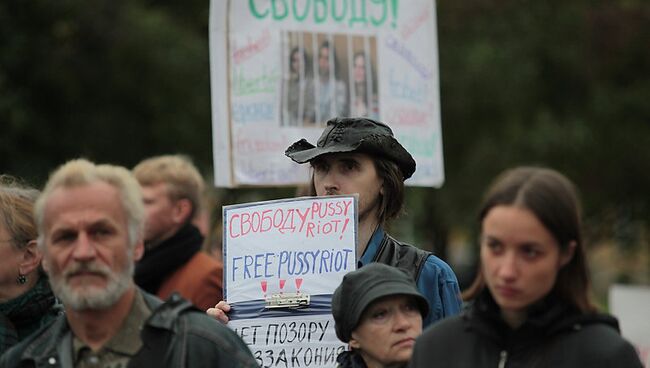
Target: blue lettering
267 263
248 261
234 266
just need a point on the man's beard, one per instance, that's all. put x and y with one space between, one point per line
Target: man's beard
85 297
370 209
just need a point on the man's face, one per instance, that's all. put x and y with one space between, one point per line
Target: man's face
349 173
86 246
324 61
161 222
359 71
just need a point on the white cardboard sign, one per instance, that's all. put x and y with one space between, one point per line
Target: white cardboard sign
275 249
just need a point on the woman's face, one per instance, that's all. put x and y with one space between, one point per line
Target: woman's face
296 61
9 260
520 258
387 331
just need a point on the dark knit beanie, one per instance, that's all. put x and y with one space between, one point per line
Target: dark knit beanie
362 287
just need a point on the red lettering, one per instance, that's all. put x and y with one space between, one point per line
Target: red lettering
232 219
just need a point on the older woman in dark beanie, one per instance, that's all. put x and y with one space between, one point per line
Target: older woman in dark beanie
26 300
531 299
378 311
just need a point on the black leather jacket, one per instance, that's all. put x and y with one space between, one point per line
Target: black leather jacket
407 257
175 335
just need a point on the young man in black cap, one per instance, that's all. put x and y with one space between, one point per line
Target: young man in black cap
361 155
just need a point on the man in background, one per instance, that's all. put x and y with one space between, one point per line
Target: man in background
173 260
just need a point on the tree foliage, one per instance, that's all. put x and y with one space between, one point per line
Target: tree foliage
555 83
109 80
559 84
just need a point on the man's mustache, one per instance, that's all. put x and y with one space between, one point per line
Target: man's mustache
87 267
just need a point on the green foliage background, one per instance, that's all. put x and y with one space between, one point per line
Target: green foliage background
564 84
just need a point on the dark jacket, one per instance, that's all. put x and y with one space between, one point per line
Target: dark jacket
407 257
350 359
554 335
433 277
23 315
175 335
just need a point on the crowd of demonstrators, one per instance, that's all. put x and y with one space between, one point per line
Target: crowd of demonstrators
531 303
100 230
359 155
174 260
90 220
378 311
26 299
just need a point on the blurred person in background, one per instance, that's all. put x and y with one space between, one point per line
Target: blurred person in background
298 89
378 311
173 260
364 87
26 299
332 94
531 299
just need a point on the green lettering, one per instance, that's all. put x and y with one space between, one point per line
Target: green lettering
337 17
302 17
394 8
253 9
384 12
320 18
244 85
361 18
280 16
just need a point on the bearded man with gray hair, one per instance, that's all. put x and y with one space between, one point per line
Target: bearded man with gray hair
90 222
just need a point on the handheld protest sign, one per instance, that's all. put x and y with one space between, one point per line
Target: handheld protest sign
281 69
283 260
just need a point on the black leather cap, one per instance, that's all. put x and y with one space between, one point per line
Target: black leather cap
362 287
355 135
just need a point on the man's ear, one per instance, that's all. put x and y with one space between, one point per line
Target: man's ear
31 258
181 211
567 255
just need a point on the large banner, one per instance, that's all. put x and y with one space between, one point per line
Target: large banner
282 261
281 68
